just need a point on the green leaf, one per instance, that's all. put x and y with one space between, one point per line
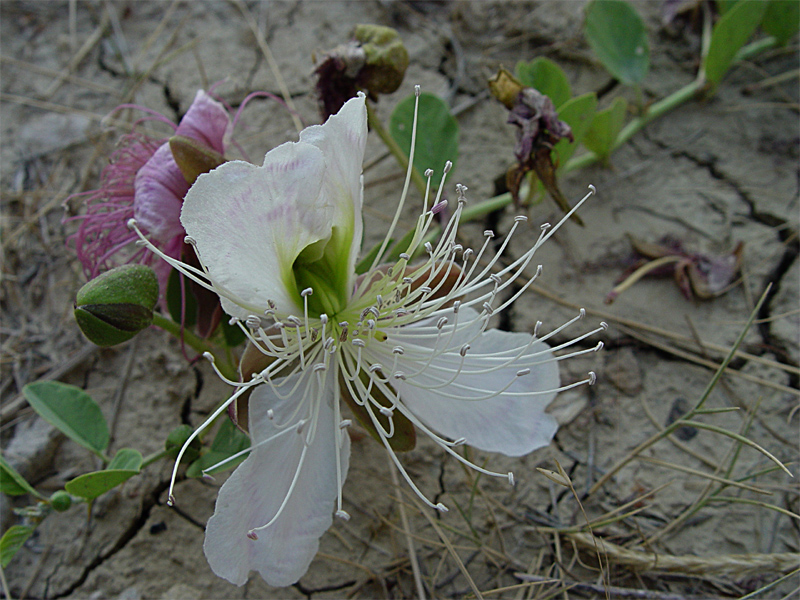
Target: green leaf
782 20
724 6
437 139
70 410
176 300
12 541
546 77
229 441
729 34
578 113
617 35
91 485
14 484
366 261
126 459
233 335
605 127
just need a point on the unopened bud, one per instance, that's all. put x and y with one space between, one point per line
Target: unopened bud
386 59
61 501
115 306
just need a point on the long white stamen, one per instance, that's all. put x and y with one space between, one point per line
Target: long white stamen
195 433
406 183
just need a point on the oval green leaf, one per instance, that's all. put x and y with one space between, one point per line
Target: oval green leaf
617 35
126 459
437 141
729 35
12 541
91 485
14 484
605 127
546 77
70 410
578 114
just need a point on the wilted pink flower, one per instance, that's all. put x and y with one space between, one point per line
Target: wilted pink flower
143 181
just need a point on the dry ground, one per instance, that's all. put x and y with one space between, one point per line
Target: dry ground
711 173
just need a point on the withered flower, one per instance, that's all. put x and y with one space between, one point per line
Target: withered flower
696 274
374 61
538 130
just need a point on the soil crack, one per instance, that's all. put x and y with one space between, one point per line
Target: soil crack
788 236
149 502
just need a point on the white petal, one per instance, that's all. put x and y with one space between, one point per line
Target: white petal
251 223
512 422
255 491
342 139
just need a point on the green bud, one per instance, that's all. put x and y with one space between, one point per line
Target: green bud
193 158
177 438
387 58
61 501
115 306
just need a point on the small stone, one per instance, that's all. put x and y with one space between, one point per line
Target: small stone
623 370
181 591
130 593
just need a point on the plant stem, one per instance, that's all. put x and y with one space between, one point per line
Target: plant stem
755 48
151 458
196 343
394 148
686 419
655 111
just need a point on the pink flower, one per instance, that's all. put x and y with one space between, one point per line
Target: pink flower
143 181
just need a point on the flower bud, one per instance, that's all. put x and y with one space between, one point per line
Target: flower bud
374 61
177 438
386 59
61 501
115 306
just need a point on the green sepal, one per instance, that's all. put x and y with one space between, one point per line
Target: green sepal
193 158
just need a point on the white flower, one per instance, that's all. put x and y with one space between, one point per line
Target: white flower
405 344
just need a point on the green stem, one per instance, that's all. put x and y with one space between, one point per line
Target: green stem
151 458
394 148
655 111
196 343
754 48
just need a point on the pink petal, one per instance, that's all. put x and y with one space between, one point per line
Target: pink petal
159 189
206 121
